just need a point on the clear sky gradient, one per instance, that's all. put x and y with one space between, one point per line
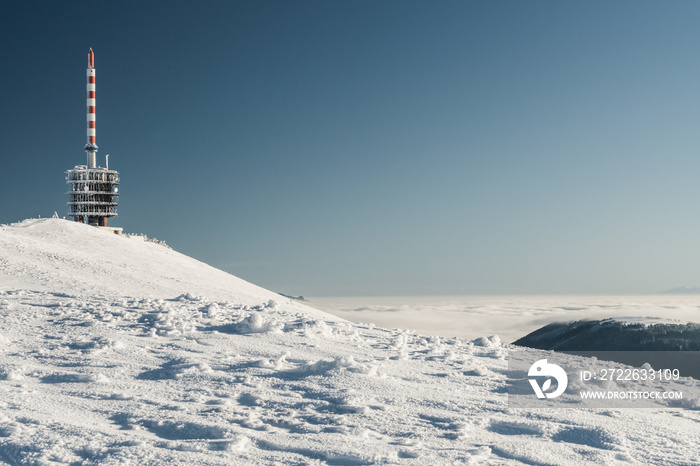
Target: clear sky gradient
374 147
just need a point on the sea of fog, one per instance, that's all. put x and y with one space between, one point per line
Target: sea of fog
509 317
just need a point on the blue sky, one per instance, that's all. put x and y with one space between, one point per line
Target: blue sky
374 147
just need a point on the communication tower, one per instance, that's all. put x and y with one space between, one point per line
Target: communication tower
92 190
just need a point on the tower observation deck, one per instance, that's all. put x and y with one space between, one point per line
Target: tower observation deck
92 194
92 190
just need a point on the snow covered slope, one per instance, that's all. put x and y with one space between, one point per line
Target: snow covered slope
169 361
61 256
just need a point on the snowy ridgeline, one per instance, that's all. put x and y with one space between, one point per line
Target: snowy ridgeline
240 375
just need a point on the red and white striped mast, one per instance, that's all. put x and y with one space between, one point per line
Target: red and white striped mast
91 146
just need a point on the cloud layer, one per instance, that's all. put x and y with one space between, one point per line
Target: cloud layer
510 317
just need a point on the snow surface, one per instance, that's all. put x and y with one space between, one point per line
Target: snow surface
117 351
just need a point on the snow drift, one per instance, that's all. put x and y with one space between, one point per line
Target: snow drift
118 351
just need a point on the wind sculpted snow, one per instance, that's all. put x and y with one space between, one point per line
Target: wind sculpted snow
228 373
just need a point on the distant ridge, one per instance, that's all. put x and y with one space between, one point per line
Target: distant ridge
616 334
683 290
618 339
296 298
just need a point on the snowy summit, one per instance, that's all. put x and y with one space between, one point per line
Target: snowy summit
147 356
